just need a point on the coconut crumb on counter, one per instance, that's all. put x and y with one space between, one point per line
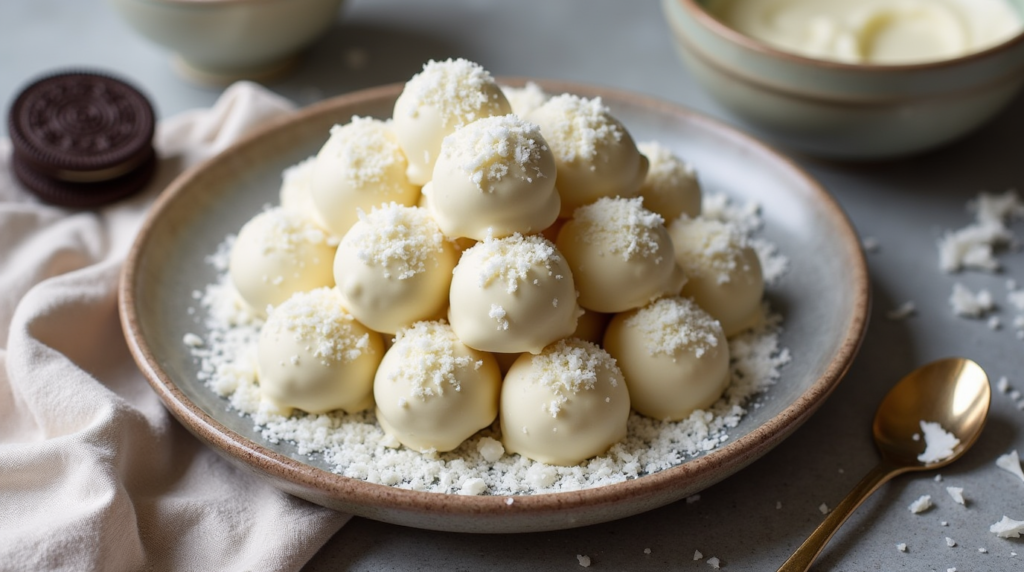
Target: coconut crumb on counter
1003 385
697 555
583 560
938 444
994 323
902 547
778 505
647 550
902 312
714 562
973 246
1008 528
983 550
969 304
823 508
921 504
950 542
871 244
1010 462
957 494
938 478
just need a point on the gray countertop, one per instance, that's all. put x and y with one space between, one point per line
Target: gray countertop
906 205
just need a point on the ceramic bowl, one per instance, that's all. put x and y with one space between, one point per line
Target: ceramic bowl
838 110
824 299
220 41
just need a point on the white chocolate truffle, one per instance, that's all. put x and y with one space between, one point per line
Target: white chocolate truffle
564 405
394 268
524 100
314 356
724 274
296 192
432 391
671 187
595 155
277 254
620 254
360 167
673 355
513 294
495 177
437 101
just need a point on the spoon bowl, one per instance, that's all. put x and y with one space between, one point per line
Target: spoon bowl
952 392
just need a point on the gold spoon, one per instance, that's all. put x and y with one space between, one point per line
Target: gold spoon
952 392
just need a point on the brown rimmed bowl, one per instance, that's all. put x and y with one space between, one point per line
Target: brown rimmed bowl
840 110
824 298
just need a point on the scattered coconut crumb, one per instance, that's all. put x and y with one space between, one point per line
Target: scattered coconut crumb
902 547
778 505
904 311
584 560
1008 528
950 542
938 444
647 550
1003 385
921 504
916 437
938 478
943 523
953 569
193 341
994 323
714 562
692 499
968 304
697 555
509 501
983 550
823 508
1016 299
973 245
1011 462
871 244
957 493
473 486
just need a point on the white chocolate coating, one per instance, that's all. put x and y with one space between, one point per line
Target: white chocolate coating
314 356
724 274
595 155
674 357
437 101
296 192
564 405
360 167
524 99
495 176
671 187
620 254
394 268
432 391
278 253
511 295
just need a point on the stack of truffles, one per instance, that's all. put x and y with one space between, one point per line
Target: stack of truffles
494 254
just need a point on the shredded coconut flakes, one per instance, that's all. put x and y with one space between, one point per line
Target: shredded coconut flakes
456 89
492 148
584 126
400 240
673 325
624 226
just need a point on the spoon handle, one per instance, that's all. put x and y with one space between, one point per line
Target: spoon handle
801 560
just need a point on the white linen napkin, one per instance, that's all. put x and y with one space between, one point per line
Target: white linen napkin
94 473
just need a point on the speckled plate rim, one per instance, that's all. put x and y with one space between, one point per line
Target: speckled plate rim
380 501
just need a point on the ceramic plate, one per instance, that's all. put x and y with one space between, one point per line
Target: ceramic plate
824 298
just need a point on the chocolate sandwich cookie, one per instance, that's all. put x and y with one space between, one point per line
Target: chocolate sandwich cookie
82 139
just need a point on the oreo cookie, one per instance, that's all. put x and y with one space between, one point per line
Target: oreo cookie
82 139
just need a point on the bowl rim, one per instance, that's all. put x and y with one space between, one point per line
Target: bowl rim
301 477
710 22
